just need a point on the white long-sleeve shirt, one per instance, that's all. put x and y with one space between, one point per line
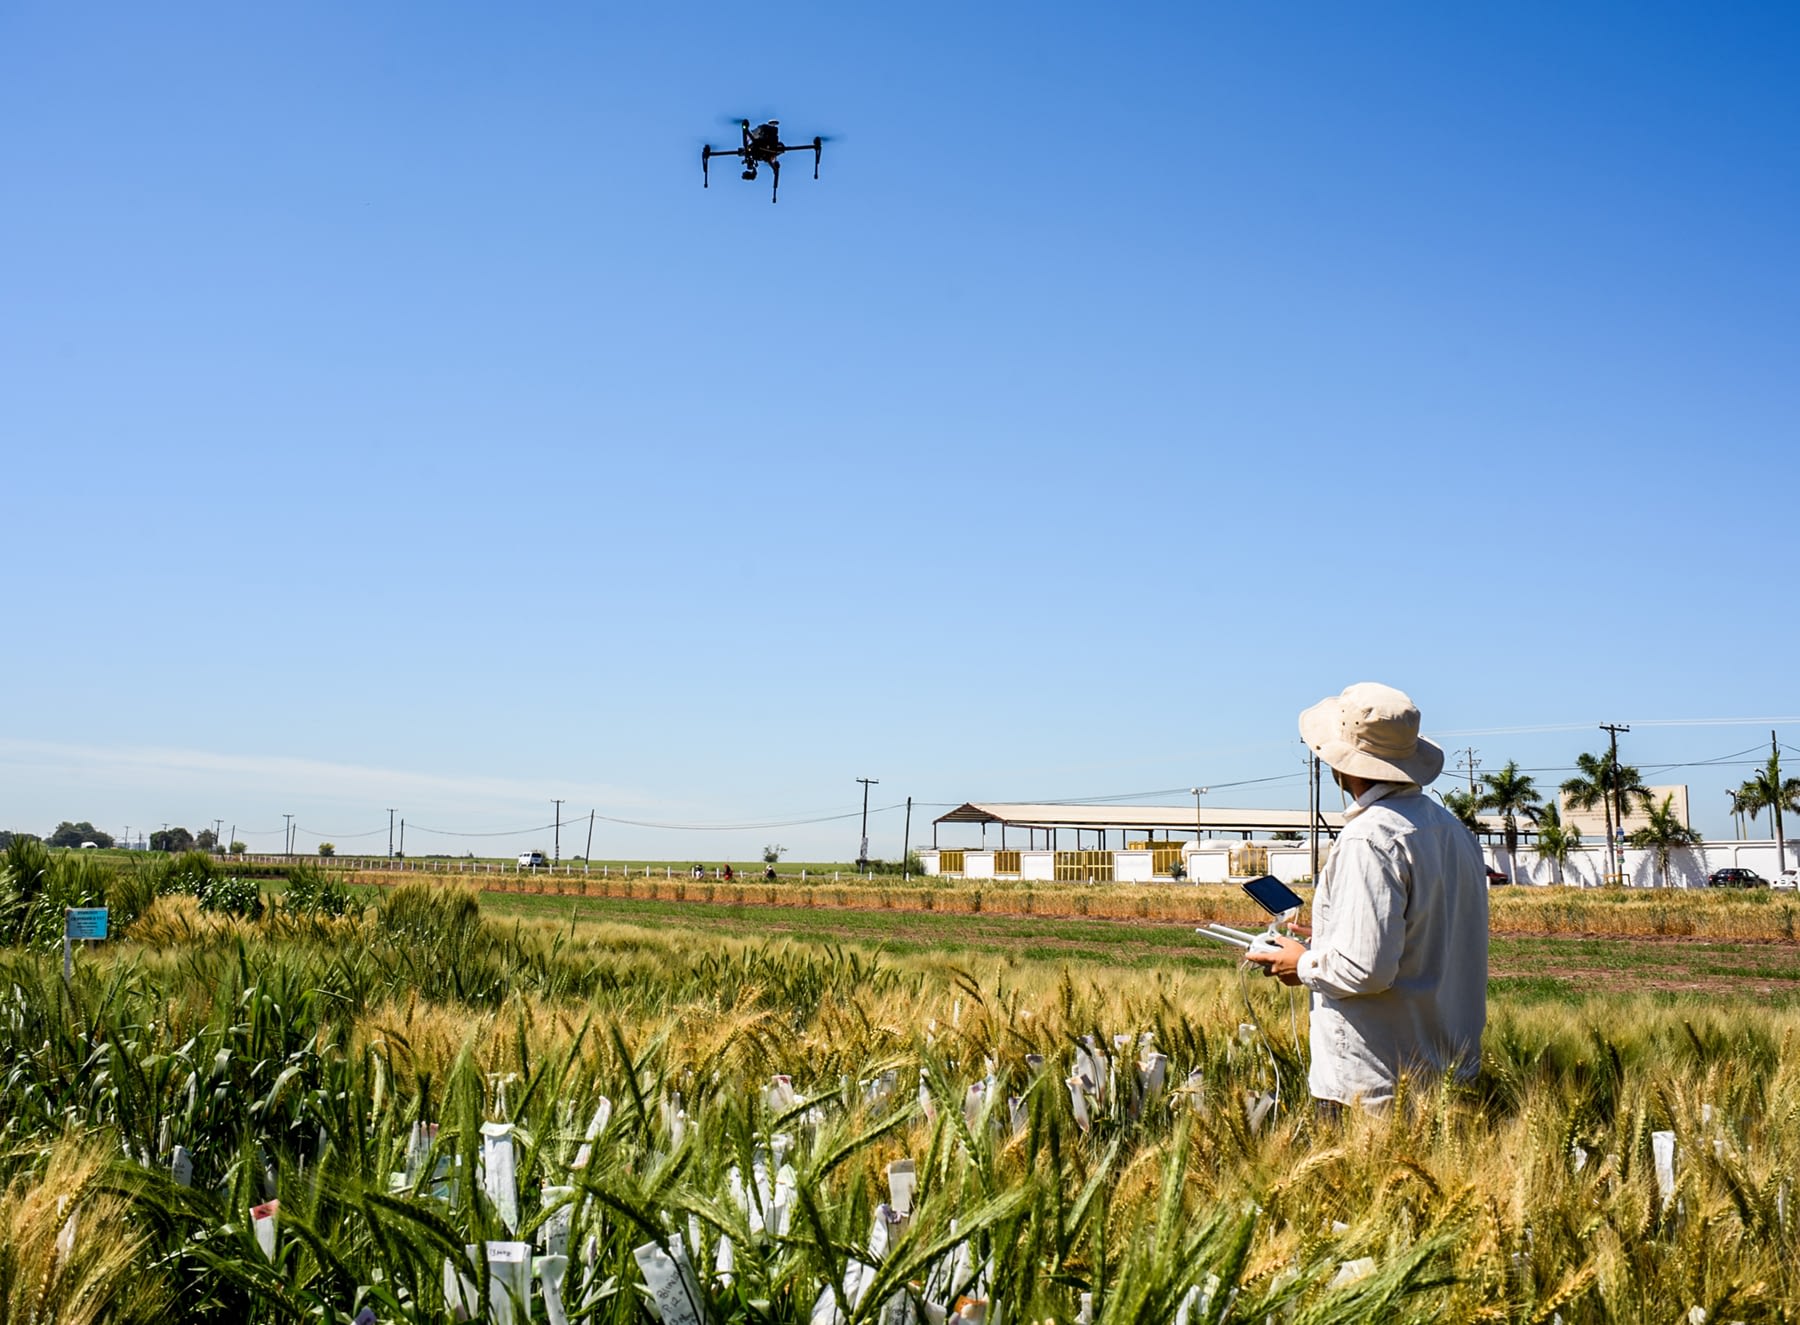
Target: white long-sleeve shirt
1398 963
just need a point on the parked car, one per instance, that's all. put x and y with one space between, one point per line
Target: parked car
1736 878
1495 877
533 860
1786 879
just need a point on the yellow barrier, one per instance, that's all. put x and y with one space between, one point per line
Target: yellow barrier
1163 857
950 862
1082 866
1006 863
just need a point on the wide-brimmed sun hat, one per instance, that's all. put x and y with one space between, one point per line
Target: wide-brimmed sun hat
1371 731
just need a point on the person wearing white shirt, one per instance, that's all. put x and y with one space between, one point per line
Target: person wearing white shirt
1399 957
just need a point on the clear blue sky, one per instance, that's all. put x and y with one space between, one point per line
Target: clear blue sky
390 418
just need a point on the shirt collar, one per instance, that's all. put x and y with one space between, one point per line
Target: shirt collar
1373 794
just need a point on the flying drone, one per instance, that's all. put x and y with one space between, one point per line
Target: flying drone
762 147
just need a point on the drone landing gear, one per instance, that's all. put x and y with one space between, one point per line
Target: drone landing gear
775 170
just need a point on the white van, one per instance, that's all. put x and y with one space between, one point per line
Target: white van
533 860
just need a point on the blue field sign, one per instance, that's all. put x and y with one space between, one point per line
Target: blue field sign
85 922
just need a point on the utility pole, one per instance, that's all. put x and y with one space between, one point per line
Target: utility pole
588 856
556 850
862 858
217 825
403 837
1313 817
1468 761
1197 793
906 842
1612 776
1615 798
390 833
1775 802
287 835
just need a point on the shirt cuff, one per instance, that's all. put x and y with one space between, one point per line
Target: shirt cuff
1306 967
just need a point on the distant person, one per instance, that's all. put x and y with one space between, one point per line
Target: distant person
1399 958
699 871
726 874
769 873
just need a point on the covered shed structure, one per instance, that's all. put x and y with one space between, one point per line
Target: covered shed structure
1145 821
1122 843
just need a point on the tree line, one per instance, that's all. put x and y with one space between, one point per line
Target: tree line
68 834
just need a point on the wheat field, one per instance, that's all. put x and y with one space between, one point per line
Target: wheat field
414 1110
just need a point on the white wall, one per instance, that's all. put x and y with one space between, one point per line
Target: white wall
1132 867
1210 862
1687 869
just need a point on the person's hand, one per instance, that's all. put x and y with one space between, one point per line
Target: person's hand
1284 965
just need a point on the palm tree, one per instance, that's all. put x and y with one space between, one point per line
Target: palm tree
1510 794
1664 832
1605 783
1554 842
1769 790
1740 807
1466 806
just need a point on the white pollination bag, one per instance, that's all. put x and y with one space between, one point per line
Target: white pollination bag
596 1125
498 1175
903 1181
262 1223
1078 1100
674 1292
559 1208
551 1271
1153 1073
779 1096
1662 1150
859 1277
1090 1065
459 1290
509 1282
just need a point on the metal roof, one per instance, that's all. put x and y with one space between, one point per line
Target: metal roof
1177 818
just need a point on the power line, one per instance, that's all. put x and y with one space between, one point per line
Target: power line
675 827
338 837
760 824
1532 729
1139 795
505 832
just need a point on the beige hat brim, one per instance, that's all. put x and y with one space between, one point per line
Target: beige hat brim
1319 728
